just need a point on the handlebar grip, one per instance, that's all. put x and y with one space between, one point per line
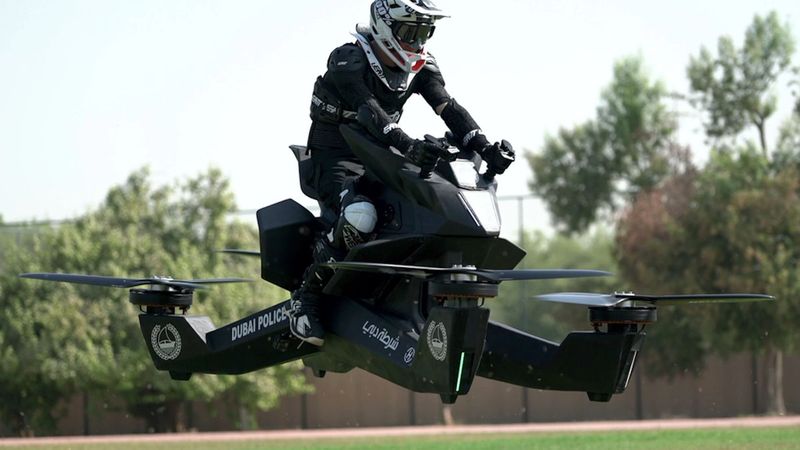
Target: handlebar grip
445 153
433 140
450 138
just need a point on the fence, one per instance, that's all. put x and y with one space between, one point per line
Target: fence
727 388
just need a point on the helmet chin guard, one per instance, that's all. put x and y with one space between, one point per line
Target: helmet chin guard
401 28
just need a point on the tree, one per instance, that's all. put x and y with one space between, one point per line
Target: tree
92 339
34 374
788 148
597 166
746 225
574 177
734 88
653 250
745 217
733 226
795 85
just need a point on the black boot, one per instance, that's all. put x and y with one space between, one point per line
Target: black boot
304 316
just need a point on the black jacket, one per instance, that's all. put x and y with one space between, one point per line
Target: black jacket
352 90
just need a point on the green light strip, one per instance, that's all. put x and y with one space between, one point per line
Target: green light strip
460 370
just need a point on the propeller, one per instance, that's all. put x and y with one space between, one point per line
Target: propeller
494 276
587 299
117 282
235 251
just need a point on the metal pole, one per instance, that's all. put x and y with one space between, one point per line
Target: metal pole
412 408
304 411
754 380
639 400
86 429
521 294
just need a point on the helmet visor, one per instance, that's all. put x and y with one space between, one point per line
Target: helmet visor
415 34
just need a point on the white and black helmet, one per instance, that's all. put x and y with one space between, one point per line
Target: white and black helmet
396 24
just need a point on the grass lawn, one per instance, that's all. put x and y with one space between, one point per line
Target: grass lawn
730 438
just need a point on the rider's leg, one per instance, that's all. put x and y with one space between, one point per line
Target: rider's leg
357 218
356 221
304 314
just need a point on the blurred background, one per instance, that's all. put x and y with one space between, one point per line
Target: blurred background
661 142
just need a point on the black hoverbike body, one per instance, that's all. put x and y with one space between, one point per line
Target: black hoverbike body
407 306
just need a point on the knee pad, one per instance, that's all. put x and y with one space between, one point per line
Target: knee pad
361 214
356 223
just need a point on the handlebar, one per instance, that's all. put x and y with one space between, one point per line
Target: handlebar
507 152
449 149
446 152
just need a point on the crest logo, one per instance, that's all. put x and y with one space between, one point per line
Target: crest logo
409 356
437 340
166 341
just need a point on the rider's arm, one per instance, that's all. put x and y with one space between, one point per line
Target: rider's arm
455 116
346 68
469 135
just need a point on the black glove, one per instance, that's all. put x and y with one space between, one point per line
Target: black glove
425 154
498 156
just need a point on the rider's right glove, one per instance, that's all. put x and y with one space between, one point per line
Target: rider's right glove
424 154
498 156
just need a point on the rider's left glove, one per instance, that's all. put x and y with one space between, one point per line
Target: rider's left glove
424 154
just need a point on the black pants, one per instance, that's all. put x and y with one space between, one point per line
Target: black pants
335 165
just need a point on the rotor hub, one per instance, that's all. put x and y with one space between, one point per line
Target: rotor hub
622 317
161 301
462 289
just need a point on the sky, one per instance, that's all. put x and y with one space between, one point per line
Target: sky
91 90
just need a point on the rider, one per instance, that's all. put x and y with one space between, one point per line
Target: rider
368 82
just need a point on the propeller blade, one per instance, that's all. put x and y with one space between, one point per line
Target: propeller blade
544 274
588 299
118 282
699 298
580 298
234 251
220 280
174 283
395 269
97 280
485 274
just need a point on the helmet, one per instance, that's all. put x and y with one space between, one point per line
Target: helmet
401 28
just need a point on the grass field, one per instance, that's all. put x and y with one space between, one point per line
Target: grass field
727 438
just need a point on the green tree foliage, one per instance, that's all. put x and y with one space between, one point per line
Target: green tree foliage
734 87
35 373
639 126
736 229
515 305
732 226
598 165
747 217
573 175
59 339
788 148
795 84
652 249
